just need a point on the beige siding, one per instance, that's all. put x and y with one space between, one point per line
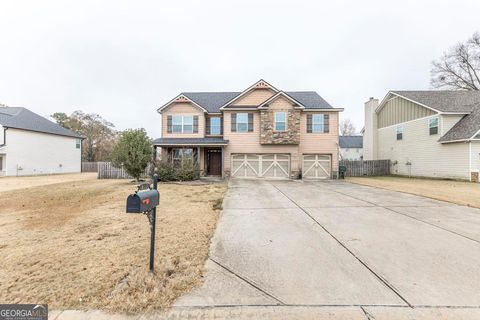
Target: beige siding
280 103
254 97
183 108
310 143
447 121
398 110
326 143
427 157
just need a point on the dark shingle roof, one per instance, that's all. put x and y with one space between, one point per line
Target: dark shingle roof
192 141
212 101
444 100
351 141
465 128
21 118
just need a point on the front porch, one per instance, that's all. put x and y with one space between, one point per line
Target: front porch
207 153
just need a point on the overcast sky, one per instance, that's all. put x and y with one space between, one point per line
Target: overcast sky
123 59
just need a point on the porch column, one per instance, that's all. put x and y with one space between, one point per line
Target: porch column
223 169
198 157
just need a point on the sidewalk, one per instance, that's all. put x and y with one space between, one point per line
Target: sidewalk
284 312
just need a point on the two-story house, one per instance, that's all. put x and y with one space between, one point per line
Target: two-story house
425 133
261 132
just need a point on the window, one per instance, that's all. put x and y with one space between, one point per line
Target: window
399 132
242 122
181 155
433 126
78 143
317 123
182 124
215 125
280 121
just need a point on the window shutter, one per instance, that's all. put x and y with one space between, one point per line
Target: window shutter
233 124
250 122
309 123
169 124
195 124
326 123
221 125
207 125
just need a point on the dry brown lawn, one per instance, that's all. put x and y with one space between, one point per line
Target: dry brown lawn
459 192
72 245
15 183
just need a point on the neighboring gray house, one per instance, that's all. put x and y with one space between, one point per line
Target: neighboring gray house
31 145
351 147
425 133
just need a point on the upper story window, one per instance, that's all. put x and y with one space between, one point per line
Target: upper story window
399 132
182 124
215 125
78 143
242 122
318 123
433 126
280 121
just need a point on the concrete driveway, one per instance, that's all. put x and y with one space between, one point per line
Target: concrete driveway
342 250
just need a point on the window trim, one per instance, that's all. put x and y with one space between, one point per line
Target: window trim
238 122
430 121
322 124
275 121
399 131
182 156
219 126
182 123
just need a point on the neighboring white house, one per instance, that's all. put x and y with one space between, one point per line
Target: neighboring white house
351 147
425 133
31 145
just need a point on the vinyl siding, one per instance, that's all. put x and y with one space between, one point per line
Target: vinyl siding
40 153
351 153
254 97
447 121
475 156
1 135
428 157
310 143
187 109
398 110
321 143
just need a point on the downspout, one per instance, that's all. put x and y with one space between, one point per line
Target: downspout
4 137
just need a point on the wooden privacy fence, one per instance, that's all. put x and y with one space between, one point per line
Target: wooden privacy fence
359 168
90 166
107 171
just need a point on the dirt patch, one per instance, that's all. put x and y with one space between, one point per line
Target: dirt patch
459 192
72 245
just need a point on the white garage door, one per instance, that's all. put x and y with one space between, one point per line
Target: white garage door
260 165
317 166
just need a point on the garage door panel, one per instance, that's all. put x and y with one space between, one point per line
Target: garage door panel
261 165
317 166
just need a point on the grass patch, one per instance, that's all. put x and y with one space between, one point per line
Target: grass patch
72 245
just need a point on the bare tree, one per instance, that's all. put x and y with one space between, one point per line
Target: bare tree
347 128
459 67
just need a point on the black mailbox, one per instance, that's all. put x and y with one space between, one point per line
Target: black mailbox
143 201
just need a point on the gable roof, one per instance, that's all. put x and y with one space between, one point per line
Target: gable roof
351 141
442 100
283 94
21 118
465 129
212 101
259 84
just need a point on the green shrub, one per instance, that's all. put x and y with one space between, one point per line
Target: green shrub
167 171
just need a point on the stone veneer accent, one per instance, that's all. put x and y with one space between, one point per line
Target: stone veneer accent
269 136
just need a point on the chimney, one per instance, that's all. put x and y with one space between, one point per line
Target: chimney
370 133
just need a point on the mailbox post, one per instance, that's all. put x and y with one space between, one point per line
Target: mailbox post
146 201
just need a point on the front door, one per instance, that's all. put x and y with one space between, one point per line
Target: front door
214 162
